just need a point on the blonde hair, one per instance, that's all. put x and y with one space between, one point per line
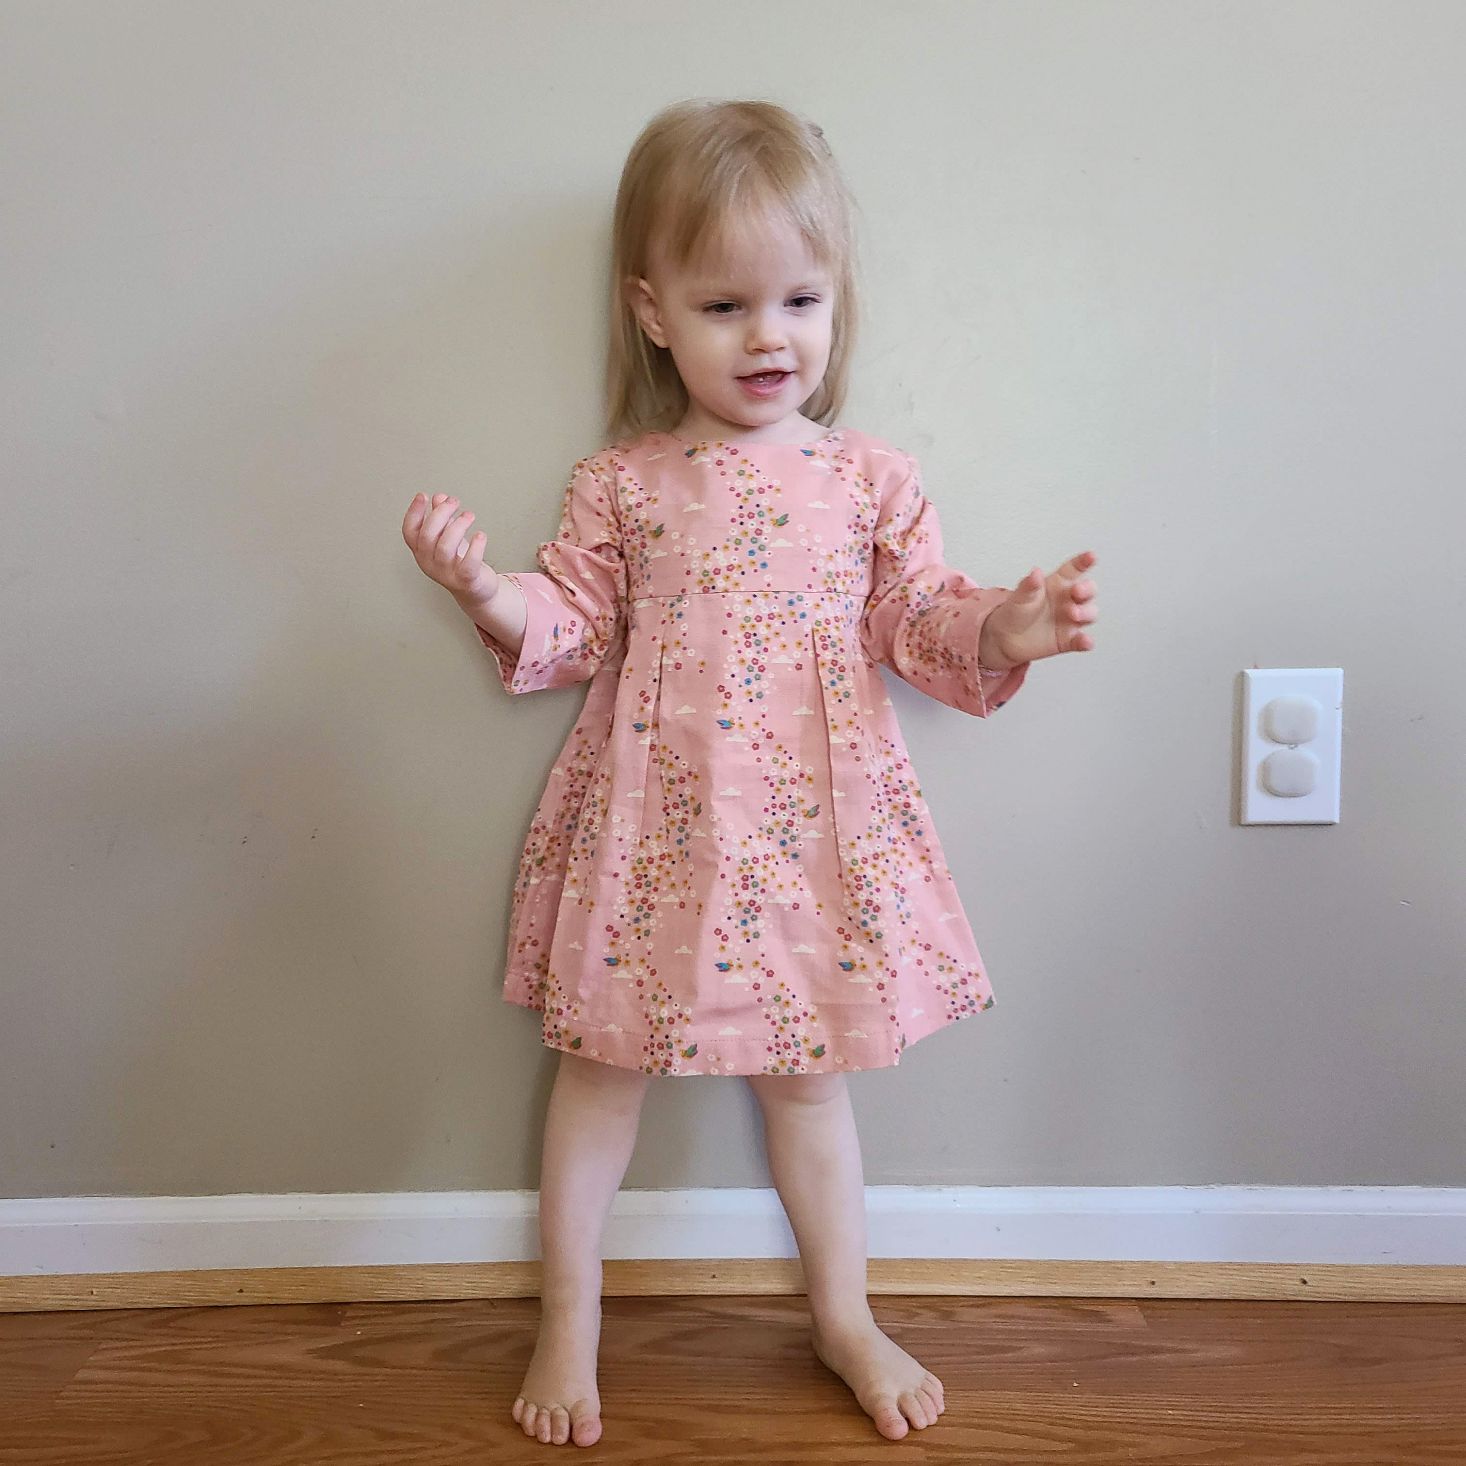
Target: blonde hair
699 170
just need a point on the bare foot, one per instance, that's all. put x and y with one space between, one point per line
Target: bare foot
890 1385
558 1401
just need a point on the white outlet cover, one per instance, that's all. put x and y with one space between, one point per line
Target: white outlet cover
1291 719
1291 689
1290 772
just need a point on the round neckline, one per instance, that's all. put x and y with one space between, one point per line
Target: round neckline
826 437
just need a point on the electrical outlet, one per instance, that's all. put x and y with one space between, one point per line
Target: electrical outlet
1292 746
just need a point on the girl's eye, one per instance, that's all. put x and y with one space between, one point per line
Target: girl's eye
717 306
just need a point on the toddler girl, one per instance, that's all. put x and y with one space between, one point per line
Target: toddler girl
732 869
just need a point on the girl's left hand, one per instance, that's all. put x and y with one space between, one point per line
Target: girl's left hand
1040 616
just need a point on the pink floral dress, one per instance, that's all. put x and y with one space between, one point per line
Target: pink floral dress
732 869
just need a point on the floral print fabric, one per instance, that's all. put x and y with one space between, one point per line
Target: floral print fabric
732 869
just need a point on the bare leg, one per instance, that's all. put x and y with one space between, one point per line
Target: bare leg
590 1133
814 1155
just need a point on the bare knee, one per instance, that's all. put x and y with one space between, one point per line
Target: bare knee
796 1089
610 1081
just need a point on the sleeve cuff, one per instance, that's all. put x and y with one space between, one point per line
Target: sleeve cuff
939 646
994 688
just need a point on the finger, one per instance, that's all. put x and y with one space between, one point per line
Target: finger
452 533
1074 567
412 520
444 507
468 555
471 553
472 574
432 524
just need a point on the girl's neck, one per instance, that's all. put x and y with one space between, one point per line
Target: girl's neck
793 429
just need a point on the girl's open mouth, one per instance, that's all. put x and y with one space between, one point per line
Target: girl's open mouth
764 384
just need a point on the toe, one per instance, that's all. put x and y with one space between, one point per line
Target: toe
933 1405
559 1425
526 1419
542 1426
933 1386
913 1409
585 1424
518 1411
889 1420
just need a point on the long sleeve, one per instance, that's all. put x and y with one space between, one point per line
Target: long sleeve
924 619
576 600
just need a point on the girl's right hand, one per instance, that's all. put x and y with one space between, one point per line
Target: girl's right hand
434 534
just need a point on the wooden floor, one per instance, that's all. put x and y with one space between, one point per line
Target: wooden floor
720 1379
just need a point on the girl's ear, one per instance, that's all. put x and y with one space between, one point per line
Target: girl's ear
644 304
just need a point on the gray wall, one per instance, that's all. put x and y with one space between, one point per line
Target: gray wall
1181 283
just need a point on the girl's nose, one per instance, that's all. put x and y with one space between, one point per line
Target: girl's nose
766 333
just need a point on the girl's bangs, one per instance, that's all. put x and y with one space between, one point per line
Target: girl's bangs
700 233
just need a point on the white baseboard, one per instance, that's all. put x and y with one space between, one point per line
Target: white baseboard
1413 1225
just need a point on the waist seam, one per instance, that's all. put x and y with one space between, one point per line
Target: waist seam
683 595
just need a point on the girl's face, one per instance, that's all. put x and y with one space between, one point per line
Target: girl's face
765 307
